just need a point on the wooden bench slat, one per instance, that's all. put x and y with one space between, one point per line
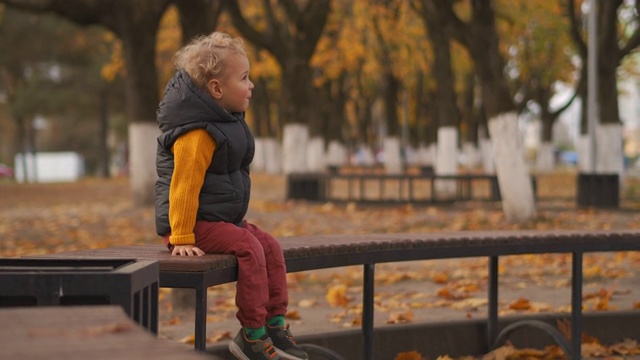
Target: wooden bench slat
326 245
81 332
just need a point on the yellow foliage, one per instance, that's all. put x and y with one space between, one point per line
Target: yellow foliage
115 66
336 296
168 41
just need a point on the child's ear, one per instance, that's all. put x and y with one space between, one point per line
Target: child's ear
215 89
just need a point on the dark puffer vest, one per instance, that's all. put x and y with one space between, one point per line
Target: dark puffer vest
225 193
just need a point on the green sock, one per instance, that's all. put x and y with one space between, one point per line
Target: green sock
254 333
276 321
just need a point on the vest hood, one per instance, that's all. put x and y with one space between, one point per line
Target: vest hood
184 103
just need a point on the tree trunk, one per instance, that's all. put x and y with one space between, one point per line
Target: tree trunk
447 113
141 84
135 23
104 153
198 17
292 41
481 39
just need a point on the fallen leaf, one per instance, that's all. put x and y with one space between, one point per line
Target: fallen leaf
225 335
410 355
627 347
293 315
400 318
173 321
189 339
441 278
336 296
520 304
307 303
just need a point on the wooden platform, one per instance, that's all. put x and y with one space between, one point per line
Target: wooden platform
327 251
82 332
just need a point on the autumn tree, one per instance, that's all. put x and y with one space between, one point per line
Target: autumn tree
479 35
540 57
618 34
58 87
446 110
289 30
135 24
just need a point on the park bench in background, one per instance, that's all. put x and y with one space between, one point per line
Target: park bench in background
382 188
326 251
98 332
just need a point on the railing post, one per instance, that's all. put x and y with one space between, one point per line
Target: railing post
492 316
367 311
576 305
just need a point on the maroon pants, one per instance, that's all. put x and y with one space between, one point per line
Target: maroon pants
261 290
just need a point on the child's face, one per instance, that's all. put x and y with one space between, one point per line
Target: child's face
232 91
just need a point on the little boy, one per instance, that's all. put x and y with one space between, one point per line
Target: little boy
203 190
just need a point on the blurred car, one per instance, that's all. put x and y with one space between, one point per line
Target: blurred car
5 171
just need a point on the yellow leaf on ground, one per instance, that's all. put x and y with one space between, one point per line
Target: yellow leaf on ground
307 303
520 304
293 315
336 296
627 347
189 339
400 318
225 335
441 278
173 321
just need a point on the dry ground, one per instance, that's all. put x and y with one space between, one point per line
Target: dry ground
93 213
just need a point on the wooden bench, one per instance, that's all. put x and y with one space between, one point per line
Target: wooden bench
97 332
326 251
380 188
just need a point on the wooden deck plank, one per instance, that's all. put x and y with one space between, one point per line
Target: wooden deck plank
326 245
81 332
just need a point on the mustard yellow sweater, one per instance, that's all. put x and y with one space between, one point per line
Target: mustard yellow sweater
192 153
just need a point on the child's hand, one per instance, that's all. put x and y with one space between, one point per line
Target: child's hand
187 250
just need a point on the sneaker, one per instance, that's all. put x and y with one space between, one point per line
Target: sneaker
284 343
245 349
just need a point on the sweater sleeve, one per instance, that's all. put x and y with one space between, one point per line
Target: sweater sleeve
192 153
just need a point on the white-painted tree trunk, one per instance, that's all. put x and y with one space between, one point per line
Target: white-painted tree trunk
610 151
259 158
336 154
446 160
364 157
267 156
411 155
513 176
427 154
487 157
294 148
142 161
609 155
315 155
272 156
471 155
583 147
391 153
545 160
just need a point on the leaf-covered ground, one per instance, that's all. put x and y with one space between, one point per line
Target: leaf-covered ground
46 218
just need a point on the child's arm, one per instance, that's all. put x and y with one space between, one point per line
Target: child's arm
192 152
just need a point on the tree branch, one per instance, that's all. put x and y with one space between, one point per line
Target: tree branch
575 28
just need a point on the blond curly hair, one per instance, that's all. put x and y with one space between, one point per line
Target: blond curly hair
203 58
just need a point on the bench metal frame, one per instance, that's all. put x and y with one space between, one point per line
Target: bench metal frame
320 187
329 251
